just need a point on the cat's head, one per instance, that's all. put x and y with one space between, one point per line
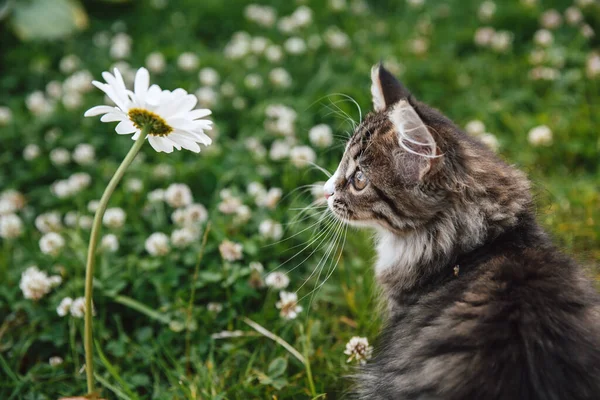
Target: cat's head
406 166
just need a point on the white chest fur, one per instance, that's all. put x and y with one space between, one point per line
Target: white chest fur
401 253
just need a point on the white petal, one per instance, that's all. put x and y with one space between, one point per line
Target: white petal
185 143
153 95
125 127
154 143
199 113
164 144
117 115
97 110
142 80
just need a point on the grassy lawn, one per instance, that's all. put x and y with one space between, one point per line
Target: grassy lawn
177 324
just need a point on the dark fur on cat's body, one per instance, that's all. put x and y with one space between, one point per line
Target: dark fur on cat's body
518 321
481 305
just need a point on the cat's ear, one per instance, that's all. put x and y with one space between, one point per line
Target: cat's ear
385 88
418 149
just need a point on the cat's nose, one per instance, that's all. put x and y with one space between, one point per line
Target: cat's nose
328 189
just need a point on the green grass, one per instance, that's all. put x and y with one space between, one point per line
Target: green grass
153 336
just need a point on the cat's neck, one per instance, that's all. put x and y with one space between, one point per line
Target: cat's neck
422 258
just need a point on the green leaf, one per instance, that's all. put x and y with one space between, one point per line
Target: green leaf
279 383
144 309
277 367
43 19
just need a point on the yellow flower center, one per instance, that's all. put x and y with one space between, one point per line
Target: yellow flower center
142 118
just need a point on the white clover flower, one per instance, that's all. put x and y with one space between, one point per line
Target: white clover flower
260 14
259 44
208 76
178 216
273 53
270 229
256 266
109 243
592 66
277 280
502 41
157 244
318 192
178 195
48 222
31 152
302 16
321 135
207 97
336 39
93 205
157 195
61 189
85 221
52 243
295 45
14 200
280 78
419 46
35 284
84 154
120 46
544 73
78 83
60 156
551 19
288 305
573 15
79 181
540 136
270 198
231 251
38 104
114 217
214 307
55 361
11 226
182 238
134 185
415 3
54 89
487 9
286 25
253 81
188 61
71 218
195 214
77 308
490 140
587 31
72 100
543 38
256 189
64 307
230 205
156 62
280 149
242 214
475 127
484 36
301 156
340 5
359 350
5 116
173 121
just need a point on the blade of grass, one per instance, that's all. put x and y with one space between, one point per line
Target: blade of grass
113 372
144 309
275 338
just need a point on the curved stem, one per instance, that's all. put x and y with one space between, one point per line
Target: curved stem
89 268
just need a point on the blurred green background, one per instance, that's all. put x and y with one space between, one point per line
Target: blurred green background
524 76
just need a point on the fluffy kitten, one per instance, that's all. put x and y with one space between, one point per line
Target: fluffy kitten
481 304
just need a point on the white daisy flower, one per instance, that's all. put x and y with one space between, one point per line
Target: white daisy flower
170 115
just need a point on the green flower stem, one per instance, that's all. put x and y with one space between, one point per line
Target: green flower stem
89 268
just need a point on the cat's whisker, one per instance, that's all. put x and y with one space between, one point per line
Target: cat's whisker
323 170
298 233
323 234
323 260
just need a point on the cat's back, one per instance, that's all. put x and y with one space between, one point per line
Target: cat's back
521 324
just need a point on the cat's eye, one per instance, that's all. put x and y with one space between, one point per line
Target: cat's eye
360 180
